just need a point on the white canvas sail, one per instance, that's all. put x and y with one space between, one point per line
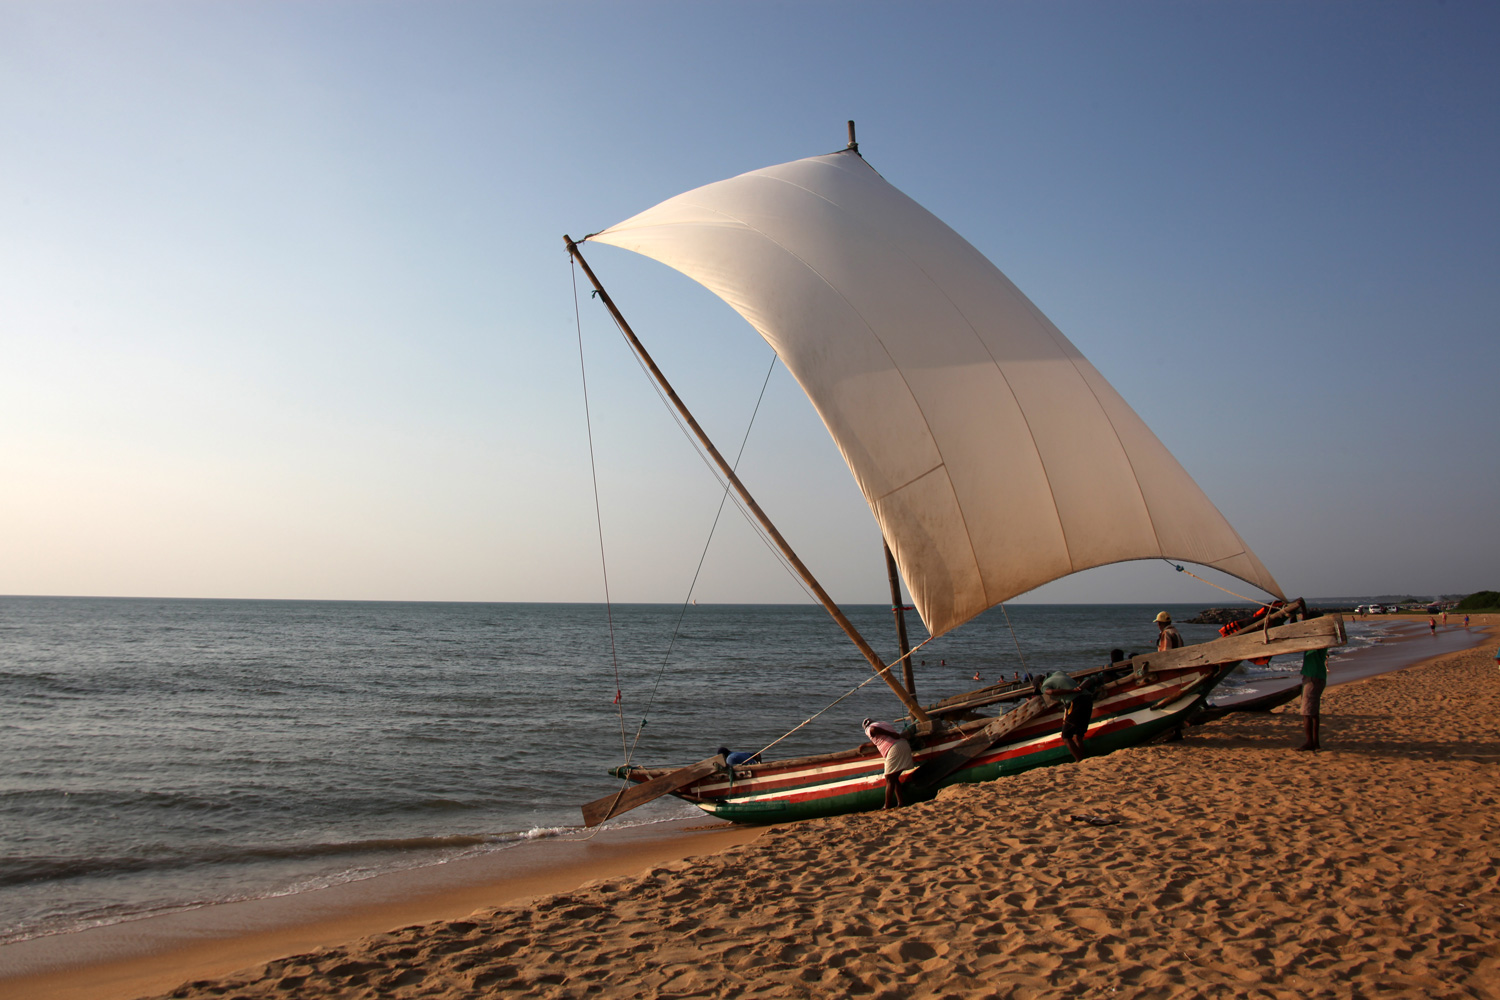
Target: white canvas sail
994 456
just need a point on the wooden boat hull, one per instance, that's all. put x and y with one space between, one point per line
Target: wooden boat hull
1263 703
1128 712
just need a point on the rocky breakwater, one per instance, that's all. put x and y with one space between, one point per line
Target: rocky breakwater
1224 616
1221 616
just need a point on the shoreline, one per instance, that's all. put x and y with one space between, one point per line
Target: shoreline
133 958
127 960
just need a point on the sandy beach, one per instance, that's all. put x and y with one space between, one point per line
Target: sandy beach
1224 864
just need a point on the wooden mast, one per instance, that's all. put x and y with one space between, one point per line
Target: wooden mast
879 665
899 610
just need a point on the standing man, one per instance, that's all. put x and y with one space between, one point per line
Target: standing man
1168 637
1314 679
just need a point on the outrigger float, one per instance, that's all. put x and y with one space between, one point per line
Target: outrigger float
994 457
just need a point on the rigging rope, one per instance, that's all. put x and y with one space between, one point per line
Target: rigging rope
682 612
1015 639
719 477
750 519
875 676
1200 579
598 516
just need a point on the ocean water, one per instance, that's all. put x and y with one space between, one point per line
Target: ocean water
163 754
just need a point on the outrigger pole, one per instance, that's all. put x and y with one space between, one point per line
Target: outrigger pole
879 665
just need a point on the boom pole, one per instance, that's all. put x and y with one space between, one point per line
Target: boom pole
880 667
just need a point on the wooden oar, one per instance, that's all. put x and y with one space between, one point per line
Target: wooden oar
614 804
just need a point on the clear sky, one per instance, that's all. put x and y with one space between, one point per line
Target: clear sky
285 310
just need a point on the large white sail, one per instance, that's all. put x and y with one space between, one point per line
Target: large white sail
994 456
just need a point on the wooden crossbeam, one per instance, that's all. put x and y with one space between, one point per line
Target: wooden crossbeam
938 768
614 804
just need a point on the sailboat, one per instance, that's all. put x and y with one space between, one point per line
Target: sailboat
993 456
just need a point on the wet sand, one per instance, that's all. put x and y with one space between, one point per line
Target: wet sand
135 958
1224 864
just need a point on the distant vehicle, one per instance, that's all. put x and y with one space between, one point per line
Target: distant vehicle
1392 609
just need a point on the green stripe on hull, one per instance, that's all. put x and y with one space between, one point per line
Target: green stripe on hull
783 812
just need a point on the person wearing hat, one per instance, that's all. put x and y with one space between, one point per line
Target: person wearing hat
897 753
1167 637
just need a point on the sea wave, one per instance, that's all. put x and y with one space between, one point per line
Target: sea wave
22 869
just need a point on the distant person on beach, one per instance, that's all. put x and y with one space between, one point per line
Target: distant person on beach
1167 636
1432 624
1314 679
1466 621
897 753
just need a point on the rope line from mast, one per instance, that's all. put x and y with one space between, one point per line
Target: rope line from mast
682 612
719 478
875 676
1013 638
1182 569
609 612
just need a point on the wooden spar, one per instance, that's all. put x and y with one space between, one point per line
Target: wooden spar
935 770
880 667
1261 624
899 611
1295 637
599 810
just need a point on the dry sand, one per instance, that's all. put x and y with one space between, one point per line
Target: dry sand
1226 865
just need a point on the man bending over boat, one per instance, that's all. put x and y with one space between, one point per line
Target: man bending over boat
1078 710
897 753
736 758
1076 719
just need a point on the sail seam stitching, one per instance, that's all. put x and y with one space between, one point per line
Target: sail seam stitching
932 437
